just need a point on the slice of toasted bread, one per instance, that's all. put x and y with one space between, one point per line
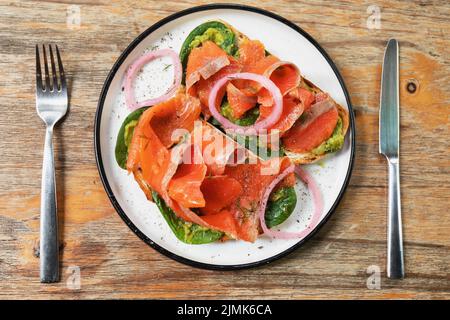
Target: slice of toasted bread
310 157
306 157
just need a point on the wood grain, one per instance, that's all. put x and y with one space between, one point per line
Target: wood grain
114 263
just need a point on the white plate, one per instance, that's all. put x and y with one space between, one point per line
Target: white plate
283 39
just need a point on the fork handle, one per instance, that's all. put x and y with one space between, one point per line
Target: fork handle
395 267
49 246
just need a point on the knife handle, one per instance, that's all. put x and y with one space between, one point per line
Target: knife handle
395 266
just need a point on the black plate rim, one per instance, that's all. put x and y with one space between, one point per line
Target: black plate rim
99 160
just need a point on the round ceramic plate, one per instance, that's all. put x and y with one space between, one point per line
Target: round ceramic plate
283 39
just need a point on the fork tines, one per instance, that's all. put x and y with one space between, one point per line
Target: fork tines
58 82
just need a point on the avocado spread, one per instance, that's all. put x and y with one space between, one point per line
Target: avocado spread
247 119
128 132
211 34
332 144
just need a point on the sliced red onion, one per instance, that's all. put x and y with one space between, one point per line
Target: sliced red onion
130 99
316 196
259 126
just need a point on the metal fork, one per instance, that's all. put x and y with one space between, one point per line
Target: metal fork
51 106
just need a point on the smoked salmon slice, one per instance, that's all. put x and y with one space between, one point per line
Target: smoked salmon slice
216 148
250 87
292 110
152 136
252 57
219 192
148 152
203 86
305 96
254 183
286 77
239 102
157 124
318 125
223 221
250 53
177 113
205 61
184 187
241 93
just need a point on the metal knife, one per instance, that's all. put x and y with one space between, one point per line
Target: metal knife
389 147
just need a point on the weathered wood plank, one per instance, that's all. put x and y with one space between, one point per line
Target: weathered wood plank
114 263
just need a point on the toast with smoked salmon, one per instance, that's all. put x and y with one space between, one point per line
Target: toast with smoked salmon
208 185
203 196
310 128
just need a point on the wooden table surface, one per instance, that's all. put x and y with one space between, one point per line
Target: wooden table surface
336 263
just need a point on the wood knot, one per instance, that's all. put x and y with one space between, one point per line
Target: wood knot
412 85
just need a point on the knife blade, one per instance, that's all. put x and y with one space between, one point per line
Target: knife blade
389 102
389 146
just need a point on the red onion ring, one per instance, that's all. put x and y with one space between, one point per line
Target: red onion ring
259 126
130 99
317 199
